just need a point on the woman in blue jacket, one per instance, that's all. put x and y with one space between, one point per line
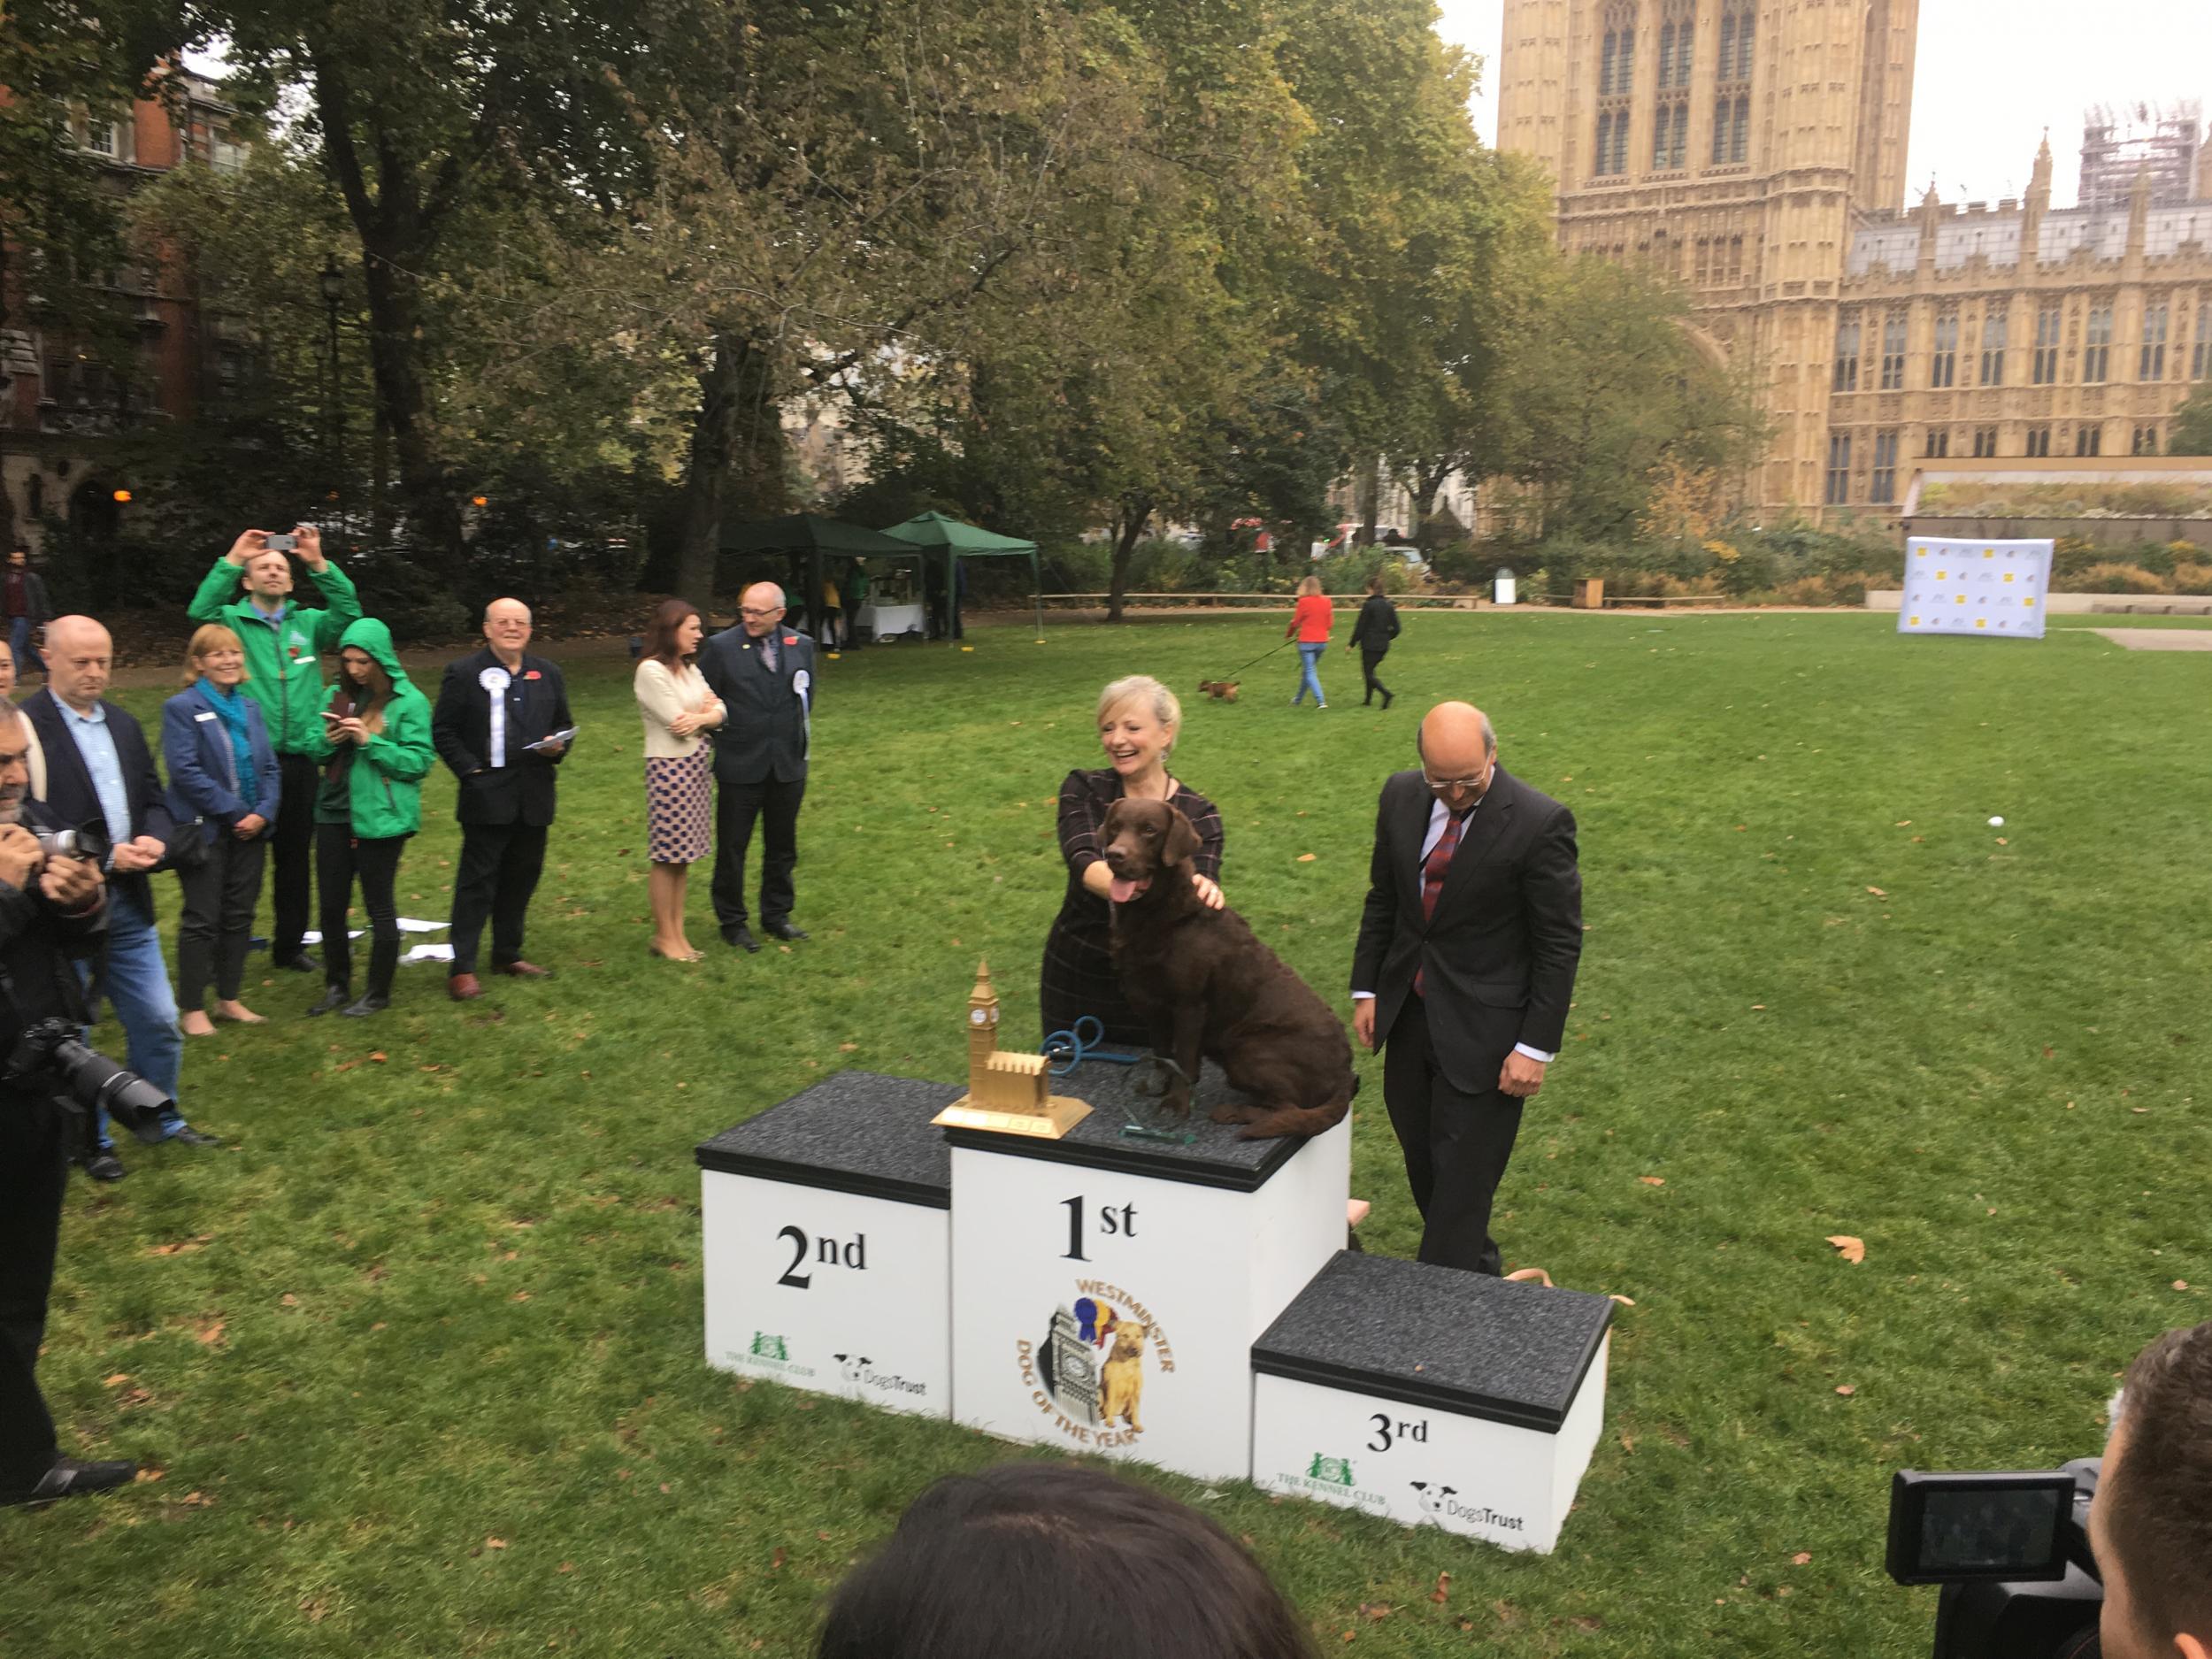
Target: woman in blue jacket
224 772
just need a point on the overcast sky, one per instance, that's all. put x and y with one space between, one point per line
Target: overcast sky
1990 76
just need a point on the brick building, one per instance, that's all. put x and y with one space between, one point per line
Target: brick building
64 399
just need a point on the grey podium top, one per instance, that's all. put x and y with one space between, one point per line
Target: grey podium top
1213 1157
1439 1337
857 1132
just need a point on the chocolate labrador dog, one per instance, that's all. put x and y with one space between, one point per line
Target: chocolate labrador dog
1211 989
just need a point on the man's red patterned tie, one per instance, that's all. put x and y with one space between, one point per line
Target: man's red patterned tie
1433 871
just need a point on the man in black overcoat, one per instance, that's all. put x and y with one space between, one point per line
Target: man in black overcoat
1465 968
764 672
498 724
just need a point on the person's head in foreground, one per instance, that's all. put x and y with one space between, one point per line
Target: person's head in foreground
1459 754
2151 1521
1034 1558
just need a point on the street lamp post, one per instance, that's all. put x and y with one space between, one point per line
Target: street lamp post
333 282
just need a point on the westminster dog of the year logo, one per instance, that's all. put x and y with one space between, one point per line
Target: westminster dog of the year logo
1088 1372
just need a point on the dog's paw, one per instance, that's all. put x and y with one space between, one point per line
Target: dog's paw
1232 1112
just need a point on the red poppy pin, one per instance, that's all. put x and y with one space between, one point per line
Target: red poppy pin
533 674
790 639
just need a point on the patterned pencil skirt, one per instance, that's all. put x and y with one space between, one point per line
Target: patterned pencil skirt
677 807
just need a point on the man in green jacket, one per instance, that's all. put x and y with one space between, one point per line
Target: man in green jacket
284 674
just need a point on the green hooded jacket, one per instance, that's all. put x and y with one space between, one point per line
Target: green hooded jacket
388 774
284 669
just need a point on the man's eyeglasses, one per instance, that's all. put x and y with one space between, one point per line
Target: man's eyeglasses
757 614
1444 786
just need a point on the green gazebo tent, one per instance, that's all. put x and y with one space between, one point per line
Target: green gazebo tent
965 540
810 537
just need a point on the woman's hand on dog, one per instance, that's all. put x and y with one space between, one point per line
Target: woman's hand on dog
1209 894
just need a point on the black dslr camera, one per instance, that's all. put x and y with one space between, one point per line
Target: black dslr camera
2012 1554
50 1057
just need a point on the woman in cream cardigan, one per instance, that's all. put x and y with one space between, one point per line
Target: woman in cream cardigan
673 696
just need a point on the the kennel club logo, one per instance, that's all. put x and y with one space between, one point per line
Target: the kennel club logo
1088 1373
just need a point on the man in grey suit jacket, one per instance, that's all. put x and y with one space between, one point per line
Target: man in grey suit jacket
764 672
1465 966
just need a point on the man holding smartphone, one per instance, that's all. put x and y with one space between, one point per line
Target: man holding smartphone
284 674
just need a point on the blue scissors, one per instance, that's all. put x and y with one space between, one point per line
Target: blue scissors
1067 1049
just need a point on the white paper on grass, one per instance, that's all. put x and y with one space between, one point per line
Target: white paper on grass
429 953
1993 589
407 925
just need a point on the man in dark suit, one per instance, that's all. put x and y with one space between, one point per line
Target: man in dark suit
502 725
764 672
1465 968
100 771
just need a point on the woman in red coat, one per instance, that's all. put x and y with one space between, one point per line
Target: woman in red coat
1309 626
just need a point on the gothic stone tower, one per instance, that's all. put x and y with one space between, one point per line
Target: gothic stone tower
1730 142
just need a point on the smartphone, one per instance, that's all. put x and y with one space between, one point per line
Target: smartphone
285 544
333 716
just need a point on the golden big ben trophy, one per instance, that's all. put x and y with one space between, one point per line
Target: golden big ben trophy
1007 1092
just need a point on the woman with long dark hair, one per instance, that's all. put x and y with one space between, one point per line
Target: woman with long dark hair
375 750
677 707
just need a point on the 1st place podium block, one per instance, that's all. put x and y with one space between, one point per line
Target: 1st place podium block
1107 1288
826 1242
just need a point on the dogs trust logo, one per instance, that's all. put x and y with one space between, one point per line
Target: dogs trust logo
860 1371
1087 1373
1441 1503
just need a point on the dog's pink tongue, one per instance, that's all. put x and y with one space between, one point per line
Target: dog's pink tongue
1122 891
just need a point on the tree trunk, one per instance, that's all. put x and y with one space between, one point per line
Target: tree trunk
1370 493
736 456
1428 480
432 502
1136 513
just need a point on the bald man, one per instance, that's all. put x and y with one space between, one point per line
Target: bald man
502 725
1464 968
100 771
764 672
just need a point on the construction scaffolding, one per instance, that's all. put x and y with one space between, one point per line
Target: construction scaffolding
2118 143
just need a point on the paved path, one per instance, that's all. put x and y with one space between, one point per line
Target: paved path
2159 639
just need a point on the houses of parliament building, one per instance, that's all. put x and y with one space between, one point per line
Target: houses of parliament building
1754 150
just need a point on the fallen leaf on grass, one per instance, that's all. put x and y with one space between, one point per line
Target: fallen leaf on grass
1625 1302
377 1056
1878 893
211 1333
2181 1284
1903 823
180 1246
567 1566
1853 1250
494 1543
1443 1587
144 1476
779 1558
1586 1621
1802 1558
1376 1609
1846 1390
121 1376
1653 1180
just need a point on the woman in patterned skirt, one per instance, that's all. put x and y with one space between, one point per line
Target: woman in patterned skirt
673 698
1138 719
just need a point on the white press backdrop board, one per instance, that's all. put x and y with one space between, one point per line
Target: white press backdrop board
1991 589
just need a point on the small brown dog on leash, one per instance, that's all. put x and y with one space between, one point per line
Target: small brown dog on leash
1219 690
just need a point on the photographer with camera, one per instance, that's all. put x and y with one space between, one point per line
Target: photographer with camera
52 909
2151 1522
100 775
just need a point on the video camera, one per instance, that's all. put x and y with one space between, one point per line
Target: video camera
2011 1551
52 1058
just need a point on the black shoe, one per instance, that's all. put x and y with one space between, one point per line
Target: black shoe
784 929
334 996
737 933
106 1167
187 1135
1389 697
72 1477
371 1004
302 962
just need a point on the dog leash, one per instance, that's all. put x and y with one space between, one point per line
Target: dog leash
1262 657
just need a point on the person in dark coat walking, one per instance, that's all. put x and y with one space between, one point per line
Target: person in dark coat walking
24 602
763 673
1371 633
501 724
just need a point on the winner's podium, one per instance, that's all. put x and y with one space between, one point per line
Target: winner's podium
823 1226
1107 1288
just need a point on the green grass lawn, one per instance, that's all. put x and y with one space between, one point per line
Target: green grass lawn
418 1358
